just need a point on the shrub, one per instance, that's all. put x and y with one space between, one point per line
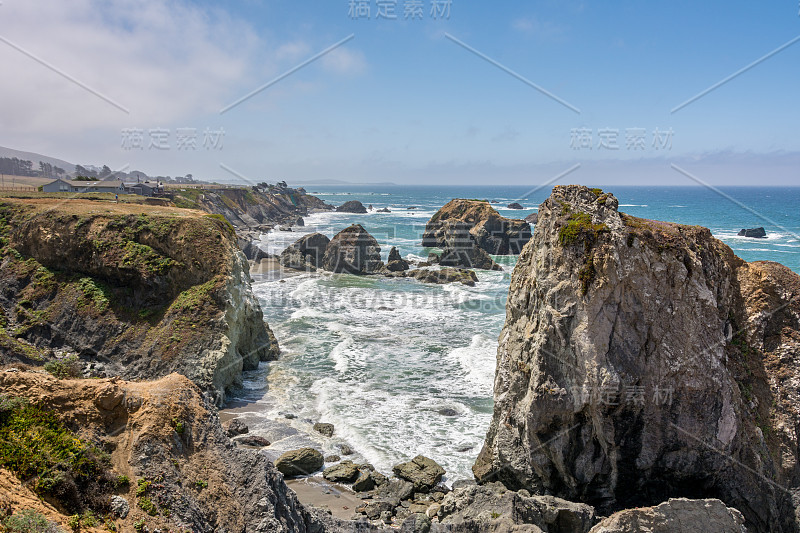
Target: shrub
68 367
29 521
38 449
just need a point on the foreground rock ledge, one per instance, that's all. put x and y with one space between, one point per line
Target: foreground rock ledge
642 360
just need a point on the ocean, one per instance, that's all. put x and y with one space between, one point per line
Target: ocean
403 368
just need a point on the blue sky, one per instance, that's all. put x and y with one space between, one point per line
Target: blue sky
401 101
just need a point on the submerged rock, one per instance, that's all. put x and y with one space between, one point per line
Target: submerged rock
637 359
423 472
352 206
354 251
444 275
302 462
325 429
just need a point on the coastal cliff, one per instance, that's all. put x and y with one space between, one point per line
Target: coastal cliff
133 291
642 360
159 459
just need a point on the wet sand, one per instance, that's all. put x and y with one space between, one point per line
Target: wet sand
317 492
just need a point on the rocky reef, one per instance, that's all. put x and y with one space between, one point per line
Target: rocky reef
355 251
642 361
137 292
491 232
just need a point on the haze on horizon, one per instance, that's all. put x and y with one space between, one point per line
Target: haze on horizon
408 91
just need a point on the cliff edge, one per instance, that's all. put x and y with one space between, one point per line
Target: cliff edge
133 291
642 360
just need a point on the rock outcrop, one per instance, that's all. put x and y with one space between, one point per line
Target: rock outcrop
182 472
354 251
491 508
422 471
755 233
515 205
643 360
395 262
353 206
136 292
306 253
677 515
460 250
252 209
493 233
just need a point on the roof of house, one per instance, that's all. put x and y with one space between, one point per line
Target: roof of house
104 184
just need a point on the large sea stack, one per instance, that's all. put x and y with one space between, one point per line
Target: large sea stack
354 251
495 234
643 360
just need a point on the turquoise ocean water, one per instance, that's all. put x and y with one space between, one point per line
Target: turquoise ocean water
402 368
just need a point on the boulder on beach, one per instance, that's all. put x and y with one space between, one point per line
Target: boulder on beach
305 253
756 233
352 206
344 472
515 205
354 251
253 440
302 462
423 472
235 427
678 515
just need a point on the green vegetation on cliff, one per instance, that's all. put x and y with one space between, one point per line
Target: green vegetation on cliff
51 459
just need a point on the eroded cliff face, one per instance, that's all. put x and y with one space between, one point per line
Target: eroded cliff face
184 473
135 291
643 360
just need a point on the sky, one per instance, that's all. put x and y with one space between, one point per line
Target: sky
446 92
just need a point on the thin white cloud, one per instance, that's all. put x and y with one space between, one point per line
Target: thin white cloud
163 61
535 27
294 51
345 61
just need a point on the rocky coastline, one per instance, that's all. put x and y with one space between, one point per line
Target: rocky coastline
646 376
